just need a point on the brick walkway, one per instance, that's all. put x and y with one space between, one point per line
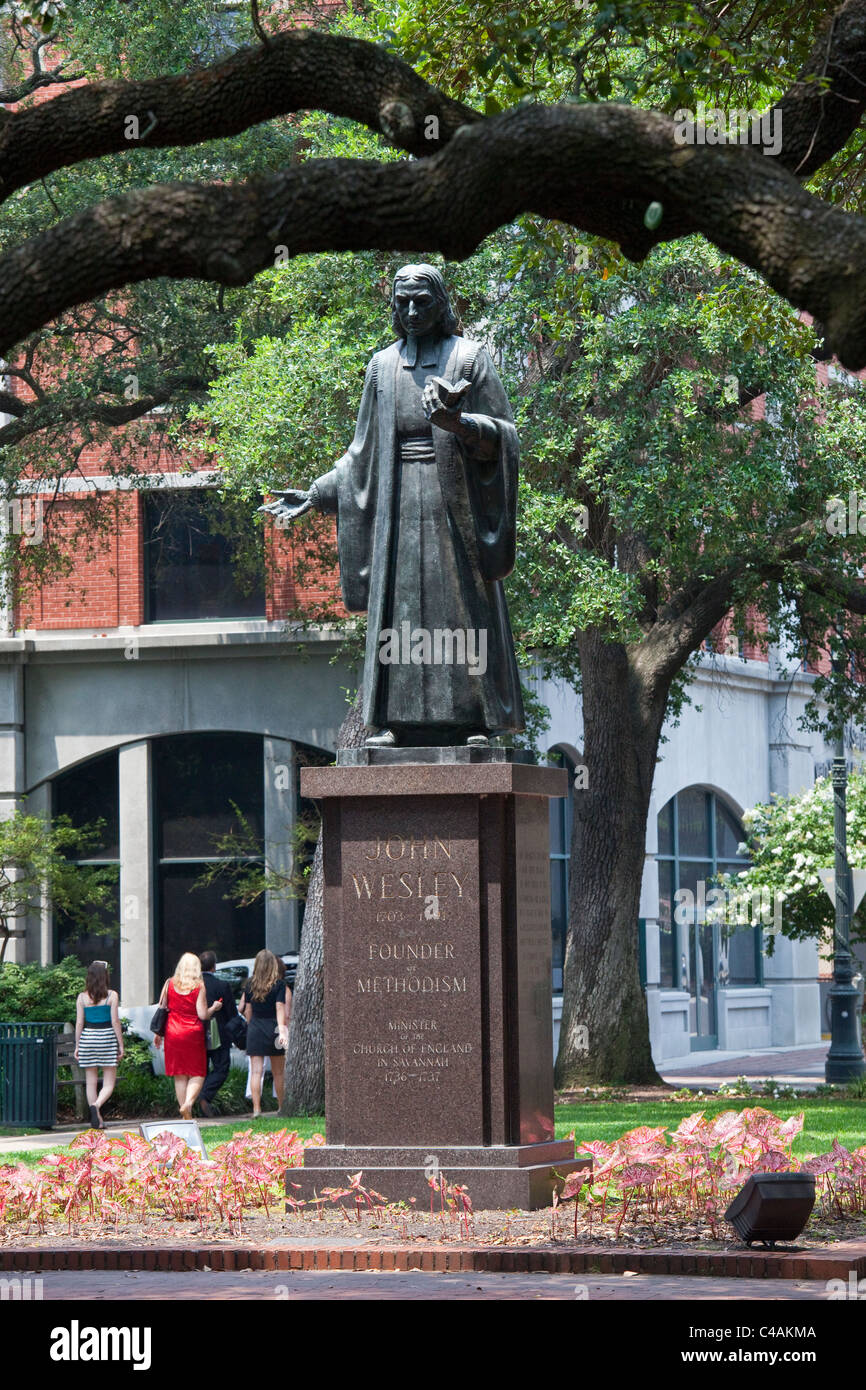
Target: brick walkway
325 1285
279 1259
793 1066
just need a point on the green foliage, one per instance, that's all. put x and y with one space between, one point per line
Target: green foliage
665 54
790 839
41 993
41 15
140 1096
37 859
107 354
247 875
283 400
136 1050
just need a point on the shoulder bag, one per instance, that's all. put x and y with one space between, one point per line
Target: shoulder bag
160 1014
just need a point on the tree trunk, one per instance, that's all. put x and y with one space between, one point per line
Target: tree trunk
305 1056
605 1027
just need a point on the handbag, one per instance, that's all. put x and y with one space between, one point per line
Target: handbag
160 1017
236 1031
213 1035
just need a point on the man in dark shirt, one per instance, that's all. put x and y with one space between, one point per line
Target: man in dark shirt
219 1059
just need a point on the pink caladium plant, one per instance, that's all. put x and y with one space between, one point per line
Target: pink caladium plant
691 1171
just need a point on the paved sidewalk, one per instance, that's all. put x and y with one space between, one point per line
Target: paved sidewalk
324 1284
790 1066
62 1135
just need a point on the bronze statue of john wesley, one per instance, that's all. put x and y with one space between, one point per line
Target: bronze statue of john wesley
425 499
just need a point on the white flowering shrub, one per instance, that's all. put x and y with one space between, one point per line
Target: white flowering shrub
789 840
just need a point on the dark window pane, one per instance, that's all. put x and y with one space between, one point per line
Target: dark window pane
694 827
729 833
93 945
203 557
666 829
561 818
666 891
197 778
696 878
557 827
667 931
198 919
89 793
704 975
307 812
738 952
561 822
667 947
559 916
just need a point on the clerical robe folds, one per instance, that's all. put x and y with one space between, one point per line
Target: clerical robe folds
426 534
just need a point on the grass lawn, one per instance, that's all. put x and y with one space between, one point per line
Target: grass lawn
826 1119
306 1126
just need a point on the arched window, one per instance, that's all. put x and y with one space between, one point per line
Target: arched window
699 838
201 781
561 821
88 793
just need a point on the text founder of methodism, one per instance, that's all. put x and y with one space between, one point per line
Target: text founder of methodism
425 499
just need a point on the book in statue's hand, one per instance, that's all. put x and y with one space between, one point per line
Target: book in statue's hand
450 393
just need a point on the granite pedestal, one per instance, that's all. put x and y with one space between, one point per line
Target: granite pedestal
437 954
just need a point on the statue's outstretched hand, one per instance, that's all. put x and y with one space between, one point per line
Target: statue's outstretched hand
443 402
290 504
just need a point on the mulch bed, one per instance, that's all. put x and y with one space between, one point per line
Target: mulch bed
519 1229
591 1095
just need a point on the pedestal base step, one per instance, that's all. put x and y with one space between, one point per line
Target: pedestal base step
497 1177
395 756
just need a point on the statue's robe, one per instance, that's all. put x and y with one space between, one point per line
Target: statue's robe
425 548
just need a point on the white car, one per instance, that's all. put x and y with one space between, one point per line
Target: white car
237 972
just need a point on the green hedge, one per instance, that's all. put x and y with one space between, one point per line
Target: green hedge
41 993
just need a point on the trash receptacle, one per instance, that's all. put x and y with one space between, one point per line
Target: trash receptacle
28 1074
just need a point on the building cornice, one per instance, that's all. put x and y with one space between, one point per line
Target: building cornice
170 641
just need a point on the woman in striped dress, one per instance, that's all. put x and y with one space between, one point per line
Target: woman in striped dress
98 1038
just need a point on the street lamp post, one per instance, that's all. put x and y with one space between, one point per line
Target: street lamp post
845 1059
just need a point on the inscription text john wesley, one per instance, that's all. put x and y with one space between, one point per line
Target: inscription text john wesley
410 958
410 961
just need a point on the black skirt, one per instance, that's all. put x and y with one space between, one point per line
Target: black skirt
262 1038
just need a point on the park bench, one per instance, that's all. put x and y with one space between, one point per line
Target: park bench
65 1048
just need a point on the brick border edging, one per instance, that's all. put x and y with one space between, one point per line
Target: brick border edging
462 1259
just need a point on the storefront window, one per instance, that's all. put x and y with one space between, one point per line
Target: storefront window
700 838
561 821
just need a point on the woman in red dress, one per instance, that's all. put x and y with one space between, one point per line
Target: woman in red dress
185 1053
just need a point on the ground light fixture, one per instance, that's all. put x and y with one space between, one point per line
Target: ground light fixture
772 1207
187 1130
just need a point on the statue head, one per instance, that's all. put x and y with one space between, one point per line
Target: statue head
420 303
